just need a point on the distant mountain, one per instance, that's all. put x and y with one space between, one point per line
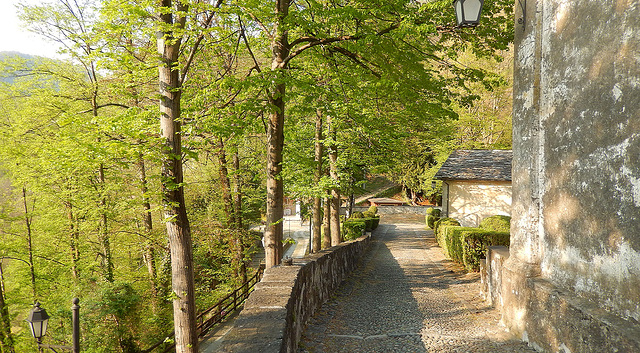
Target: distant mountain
10 54
7 56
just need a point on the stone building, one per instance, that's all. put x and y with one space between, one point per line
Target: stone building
571 282
476 184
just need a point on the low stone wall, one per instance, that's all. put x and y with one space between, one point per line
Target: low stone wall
491 274
560 321
275 313
421 210
549 318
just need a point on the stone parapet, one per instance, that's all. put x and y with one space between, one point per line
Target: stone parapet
420 210
560 321
491 273
550 318
275 313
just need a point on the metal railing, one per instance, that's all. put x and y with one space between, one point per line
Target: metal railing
228 305
217 312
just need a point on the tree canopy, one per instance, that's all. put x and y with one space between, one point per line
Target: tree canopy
183 113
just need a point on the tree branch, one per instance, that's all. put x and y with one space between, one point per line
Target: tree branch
356 59
196 45
246 42
313 42
104 106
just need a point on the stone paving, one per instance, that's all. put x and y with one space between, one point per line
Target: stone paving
406 297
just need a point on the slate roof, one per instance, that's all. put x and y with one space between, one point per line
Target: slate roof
488 165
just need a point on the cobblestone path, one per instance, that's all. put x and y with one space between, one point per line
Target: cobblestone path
406 297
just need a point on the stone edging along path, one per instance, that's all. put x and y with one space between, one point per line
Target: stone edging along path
275 313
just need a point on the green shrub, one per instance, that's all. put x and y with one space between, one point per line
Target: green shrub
453 238
371 223
497 223
475 244
433 211
373 210
439 233
368 221
443 221
368 214
352 228
356 214
376 222
431 220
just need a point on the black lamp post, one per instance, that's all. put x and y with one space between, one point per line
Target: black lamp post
468 12
38 320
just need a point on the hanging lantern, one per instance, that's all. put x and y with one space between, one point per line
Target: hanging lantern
38 320
468 12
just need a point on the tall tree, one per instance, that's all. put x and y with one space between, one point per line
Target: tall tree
275 136
334 216
317 200
6 338
172 15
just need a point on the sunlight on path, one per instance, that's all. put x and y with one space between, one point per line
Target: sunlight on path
406 297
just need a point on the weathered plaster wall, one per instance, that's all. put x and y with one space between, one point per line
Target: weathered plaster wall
275 313
470 202
576 167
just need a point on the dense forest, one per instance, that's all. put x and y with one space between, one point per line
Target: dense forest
133 168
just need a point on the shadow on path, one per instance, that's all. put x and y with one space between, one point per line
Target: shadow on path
368 313
404 297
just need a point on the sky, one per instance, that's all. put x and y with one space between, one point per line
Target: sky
15 38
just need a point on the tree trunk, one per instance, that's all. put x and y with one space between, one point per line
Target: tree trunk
230 212
73 241
335 193
147 221
352 201
317 201
237 190
6 339
27 220
237 194
225 185
326 223
104 235
275 140
178 231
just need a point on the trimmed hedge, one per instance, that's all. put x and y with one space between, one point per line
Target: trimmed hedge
431 220
372 223
368 214
497 223
453 238
475 244
433 211
468 245
438 223
353 228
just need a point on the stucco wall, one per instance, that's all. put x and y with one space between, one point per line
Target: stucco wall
470 202
576 170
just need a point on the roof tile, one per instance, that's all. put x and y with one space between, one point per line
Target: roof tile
492 165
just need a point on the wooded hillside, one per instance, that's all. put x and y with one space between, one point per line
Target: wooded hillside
132 171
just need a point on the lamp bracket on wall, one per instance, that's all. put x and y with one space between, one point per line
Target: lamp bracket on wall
523 8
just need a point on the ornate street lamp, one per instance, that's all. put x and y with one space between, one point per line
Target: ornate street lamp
468 12
38 320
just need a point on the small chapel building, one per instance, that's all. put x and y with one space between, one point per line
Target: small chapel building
476 184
